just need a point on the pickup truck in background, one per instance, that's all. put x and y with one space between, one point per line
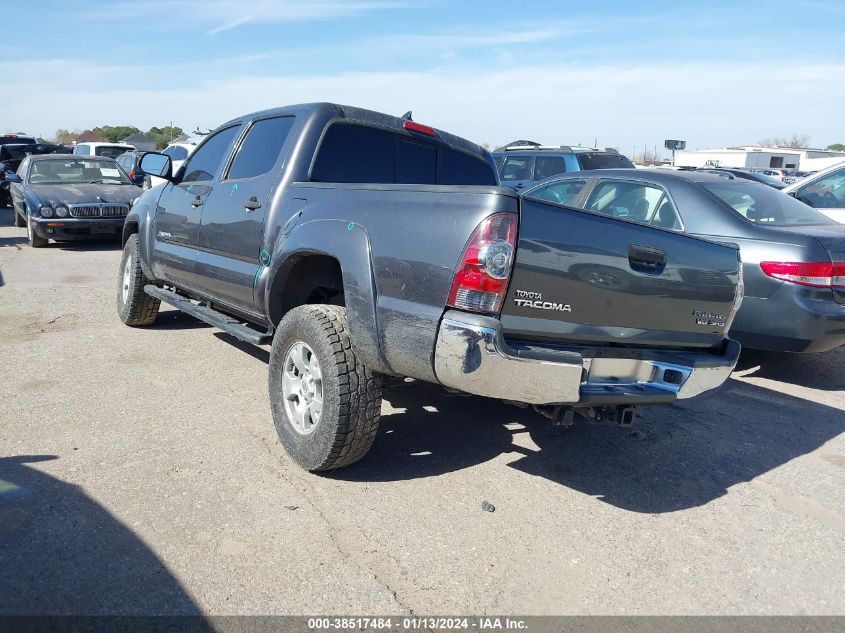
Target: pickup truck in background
364 246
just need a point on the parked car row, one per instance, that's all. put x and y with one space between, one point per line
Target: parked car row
365 247
69 197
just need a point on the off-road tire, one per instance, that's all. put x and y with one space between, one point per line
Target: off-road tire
35 240
138 308
351 392
19 221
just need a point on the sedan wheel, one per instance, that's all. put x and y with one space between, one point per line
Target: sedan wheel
35 240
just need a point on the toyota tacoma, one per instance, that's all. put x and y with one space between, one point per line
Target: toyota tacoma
362 246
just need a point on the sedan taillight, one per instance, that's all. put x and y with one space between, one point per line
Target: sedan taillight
812 274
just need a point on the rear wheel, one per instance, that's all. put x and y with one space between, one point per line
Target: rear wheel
35 240
134 306
326 405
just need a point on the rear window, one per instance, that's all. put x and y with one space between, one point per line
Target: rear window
10 152
109 151
603 161
760 204
25 140
176 152
358 153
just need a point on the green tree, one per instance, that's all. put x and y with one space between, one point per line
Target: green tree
837 147
164 135
115 133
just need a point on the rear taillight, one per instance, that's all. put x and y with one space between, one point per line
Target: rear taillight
481 279
813 274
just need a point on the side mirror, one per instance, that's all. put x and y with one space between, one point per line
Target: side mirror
156 164
12 177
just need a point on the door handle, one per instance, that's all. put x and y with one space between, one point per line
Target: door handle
252 204
197 201
646 258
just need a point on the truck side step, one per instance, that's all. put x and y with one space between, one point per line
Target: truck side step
211 316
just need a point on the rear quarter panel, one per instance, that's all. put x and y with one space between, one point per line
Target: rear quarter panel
415 235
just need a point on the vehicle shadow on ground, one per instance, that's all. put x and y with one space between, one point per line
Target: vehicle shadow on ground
63 554
177 320
12 241
673 458
88 245
816 371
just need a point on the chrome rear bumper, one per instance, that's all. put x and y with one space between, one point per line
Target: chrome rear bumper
472 356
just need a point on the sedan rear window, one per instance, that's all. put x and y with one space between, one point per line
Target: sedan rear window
763 205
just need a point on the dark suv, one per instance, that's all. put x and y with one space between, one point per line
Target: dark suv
522 162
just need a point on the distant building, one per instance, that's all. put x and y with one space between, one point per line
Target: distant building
90 137
760 157
140 142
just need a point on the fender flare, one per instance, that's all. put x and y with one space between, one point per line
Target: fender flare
349 244
142 214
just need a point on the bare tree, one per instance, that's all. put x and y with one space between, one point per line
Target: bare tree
645 158
65 136
796 140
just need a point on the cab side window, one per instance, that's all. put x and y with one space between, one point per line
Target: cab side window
82 149
261 147
825 193
204 163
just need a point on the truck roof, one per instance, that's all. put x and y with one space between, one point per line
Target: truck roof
351 113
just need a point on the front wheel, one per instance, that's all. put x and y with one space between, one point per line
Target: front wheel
326 405
35 240
19 221
134 306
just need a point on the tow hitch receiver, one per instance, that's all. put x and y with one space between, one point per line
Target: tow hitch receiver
621 415
562 415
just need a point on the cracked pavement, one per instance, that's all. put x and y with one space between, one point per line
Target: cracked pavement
140 473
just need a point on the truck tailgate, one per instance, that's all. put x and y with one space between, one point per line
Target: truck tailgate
584 278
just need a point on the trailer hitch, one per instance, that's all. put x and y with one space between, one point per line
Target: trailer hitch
562 415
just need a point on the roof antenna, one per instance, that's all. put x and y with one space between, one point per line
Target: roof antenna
407 116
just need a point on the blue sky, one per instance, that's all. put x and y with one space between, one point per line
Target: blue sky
624 73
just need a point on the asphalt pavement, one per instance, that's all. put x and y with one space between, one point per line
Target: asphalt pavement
140 473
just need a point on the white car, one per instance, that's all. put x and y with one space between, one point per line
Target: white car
109 150
178 153
824 191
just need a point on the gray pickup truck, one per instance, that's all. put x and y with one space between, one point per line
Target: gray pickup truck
366 246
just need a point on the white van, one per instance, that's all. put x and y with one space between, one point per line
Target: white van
109 150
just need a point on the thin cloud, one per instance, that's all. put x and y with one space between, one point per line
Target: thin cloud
622 106
219 16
